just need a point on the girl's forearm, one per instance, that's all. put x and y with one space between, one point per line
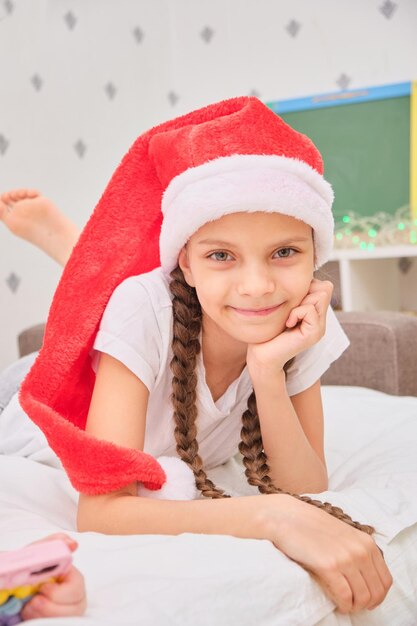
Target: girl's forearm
127 514
294 464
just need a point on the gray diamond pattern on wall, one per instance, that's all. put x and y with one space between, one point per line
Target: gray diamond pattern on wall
388 9
4 144
293 28
37 82
70 20
80 148
8 6
138 34
13 282
207 34
173 98
110 90
343 81
151 64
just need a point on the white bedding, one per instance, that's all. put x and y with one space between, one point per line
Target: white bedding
371 447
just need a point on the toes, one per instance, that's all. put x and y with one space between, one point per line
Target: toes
11 195
20 194
15 195
6 197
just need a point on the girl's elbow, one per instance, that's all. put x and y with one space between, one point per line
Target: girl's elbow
320 485
106 513
86 522
90 513
319 488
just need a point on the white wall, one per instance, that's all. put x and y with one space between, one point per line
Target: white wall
161 65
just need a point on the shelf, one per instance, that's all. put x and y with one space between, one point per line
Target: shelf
370 280
382 252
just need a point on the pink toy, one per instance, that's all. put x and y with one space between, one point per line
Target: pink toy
23 571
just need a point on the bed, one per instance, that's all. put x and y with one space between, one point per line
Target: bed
370 402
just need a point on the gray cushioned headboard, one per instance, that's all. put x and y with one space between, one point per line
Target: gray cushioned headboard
382 354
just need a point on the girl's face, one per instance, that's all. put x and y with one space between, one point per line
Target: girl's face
245 263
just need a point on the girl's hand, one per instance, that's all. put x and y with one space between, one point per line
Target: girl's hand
61 599
305 326
345 561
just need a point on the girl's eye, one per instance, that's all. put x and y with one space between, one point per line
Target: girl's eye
219 256
284 253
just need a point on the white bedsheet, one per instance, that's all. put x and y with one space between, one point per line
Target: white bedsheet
371 447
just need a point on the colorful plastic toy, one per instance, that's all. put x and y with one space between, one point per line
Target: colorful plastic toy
24 571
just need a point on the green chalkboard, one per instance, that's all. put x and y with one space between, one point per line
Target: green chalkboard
366 152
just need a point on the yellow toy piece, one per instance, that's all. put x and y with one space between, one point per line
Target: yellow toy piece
25 591
4 595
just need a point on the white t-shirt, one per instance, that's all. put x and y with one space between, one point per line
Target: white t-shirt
136 329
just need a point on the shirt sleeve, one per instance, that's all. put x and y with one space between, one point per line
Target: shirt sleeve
310 365
130 333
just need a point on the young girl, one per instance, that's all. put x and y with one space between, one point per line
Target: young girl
224 341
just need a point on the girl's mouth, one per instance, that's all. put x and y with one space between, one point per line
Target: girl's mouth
256 312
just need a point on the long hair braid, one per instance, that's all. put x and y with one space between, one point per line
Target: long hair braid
186 347
187 321
257 468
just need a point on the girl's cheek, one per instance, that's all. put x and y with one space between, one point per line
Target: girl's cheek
297 285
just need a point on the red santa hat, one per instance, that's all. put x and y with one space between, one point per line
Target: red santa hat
235 155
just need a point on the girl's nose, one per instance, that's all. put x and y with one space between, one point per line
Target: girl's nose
255 281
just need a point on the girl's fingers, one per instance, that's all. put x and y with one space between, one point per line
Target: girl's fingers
319 300
70 590
304 313
364 592
40 606
319 297
377 587
71 543
337 588
349 590
63 599
357 585
367 588
381 567
385 579
321 285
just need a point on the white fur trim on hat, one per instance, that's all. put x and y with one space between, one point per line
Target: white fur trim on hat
249 183
179 485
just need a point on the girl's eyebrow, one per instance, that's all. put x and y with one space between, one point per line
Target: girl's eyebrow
219 242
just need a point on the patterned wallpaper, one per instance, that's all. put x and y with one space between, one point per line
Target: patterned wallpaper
80 79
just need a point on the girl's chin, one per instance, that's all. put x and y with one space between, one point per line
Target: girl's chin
257 334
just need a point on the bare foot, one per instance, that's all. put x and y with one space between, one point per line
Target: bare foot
36 219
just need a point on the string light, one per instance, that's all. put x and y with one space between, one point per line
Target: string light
381 229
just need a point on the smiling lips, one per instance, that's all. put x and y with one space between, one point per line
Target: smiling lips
256 312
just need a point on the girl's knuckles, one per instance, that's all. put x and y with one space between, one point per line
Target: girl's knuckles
362 600
328 567
362 554
388 580
345 603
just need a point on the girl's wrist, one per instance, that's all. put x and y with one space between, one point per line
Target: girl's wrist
273 515
269 379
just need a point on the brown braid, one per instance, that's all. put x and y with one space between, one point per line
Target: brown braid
187 321
257 469
186 347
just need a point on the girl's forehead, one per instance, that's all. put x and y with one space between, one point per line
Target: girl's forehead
261 221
